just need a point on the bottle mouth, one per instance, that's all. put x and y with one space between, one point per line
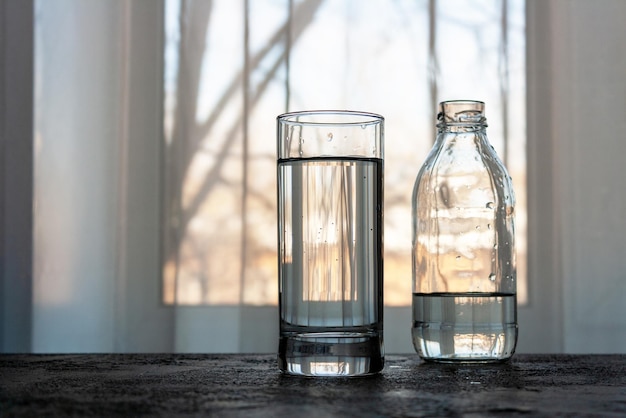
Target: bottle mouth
461 112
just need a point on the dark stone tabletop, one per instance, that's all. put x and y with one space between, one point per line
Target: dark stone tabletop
251 386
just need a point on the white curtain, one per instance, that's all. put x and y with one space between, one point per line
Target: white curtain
100 213
577 196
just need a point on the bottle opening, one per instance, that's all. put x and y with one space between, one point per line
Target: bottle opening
462 112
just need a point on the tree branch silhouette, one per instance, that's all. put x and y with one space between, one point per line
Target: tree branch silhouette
193 137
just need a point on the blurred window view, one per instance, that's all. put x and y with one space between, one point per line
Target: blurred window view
232 66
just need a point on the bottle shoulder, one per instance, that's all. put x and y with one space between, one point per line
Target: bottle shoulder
458 164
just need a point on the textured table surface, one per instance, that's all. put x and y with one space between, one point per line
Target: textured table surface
251 386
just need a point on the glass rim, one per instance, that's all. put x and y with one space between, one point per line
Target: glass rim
352 117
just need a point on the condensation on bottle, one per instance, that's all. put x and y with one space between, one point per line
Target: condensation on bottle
463 246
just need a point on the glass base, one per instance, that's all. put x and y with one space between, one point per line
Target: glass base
331 354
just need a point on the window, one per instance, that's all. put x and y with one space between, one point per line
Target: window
96 171
232 67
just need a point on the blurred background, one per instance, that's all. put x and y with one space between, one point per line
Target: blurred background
138 162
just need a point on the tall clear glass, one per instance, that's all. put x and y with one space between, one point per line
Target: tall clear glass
464 275
330 243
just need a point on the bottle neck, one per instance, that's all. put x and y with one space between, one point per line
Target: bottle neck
461 128
461 116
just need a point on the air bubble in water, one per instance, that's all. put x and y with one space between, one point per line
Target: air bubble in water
330 136
492 277
489 205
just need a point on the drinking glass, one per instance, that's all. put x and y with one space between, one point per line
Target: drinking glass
330 243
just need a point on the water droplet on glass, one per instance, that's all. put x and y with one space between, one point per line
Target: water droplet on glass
492 277
489 205
363 126
458 257
477 226
488 226
495 246
330 136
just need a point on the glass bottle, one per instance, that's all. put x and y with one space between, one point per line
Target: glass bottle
464 274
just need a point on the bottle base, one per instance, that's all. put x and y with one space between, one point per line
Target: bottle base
331 354
464 327
456 345
465 360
